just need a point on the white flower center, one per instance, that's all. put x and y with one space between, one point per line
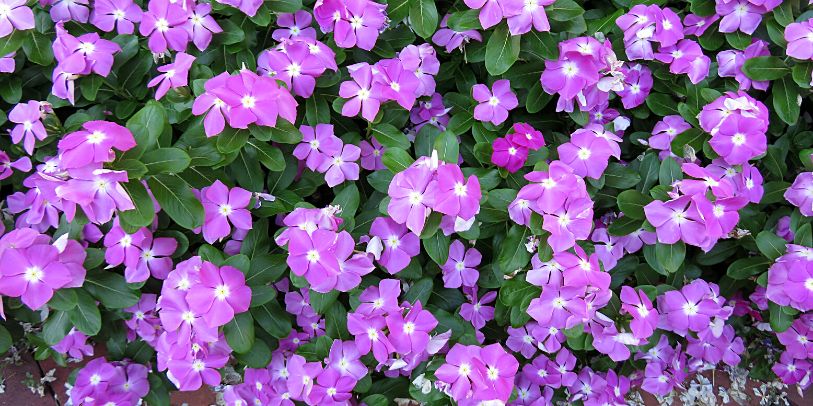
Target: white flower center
96 137
162 25
248 102
222 292
33 274
312 256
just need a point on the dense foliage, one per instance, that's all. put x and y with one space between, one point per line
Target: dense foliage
476 202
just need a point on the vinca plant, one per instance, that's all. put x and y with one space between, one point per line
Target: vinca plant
371 202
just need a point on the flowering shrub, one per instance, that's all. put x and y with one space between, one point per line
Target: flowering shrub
351 201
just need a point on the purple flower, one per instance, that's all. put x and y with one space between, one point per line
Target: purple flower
318 145
460 268
249 7
98 192
792 370
119 15
573 221
332 388
344 358
94 144
685 57
297 25
74 345
739 139
451 39
730 64
399 245
491 11
666 130
587 153
223 206
521 340
255 99
495 103
371 152
688 309
312 255
201 25
800 39
164 23
456 196
508 155
739 15
359 91
394 82
644 316
524 14
15 16
381 299
637 85
582 270
410 333
497 370
369 335
559 307
66 10
360 24
7 63
294 65
800 193
221 294
154 260
477 312
459 370
412 196
29 126
32 274
341 166
174 75
697 25
675 220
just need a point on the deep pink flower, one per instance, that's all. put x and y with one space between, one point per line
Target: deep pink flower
508 155
32 274
359 91
399 246
221 294
163 23
359 24
411 332
94 144
412 193
174 75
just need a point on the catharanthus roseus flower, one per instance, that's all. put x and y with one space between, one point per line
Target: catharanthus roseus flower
800 39
461 267
174 75
730 63
800 193
359 23
16 16
224 206
163 23
221 294
451 39
410 332
94 144
398 245
33 274
120 15
495 103
29 128
293 64
508 155
685 57
412 196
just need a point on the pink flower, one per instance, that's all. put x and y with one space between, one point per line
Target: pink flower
341 166
201 26
394 82
221 293
526 136
359 91
507 155
644 316
686 57
371 152
256 99
18 17
399 245
675 220
163 23
739 139
559 307
120 15
573 221
297 25
800 39
460 268
459 370
587 153
800 193
477 312
360 24
412 193
739 15
410 333
491 11
29 126
94 144
495 104
294 65
450 39
222 206
524 14
32 274
455 196
582 270
174 75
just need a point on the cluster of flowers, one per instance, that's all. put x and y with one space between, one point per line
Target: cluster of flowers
737 123
794 366
354 23
324 152
790 279
196 298
692 217
427 186
76 177
298 60
560 196
141 254
587 70
79 56
110 383
730 63
402 80
34 267
520 14
320 253
243 98
473 374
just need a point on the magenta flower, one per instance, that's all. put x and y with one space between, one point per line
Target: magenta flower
123 248
526 136
637 85
32 274
456 196
344 358
371 152
739 15
412 193
491 11
688 309
296 25
155 259
573 221
95 376
222 206
311 255
477 312
800 193
685 57
332 388
524 14
29 126
459 370
380 300
221 294
676 220
16 16
569 75
730 64
507 155
201 26
360 24
399 245
587 153
792 370
342 166
163 23
582 270
497 370
369 335
98 192
739 139
74 345
294 65
644 316
800 39
495 103
666 130
215 120
461 267
119 15
451 39
318 145
190 373
521 340
657 380
559 307
174 75
410 333
256 99
94 144
359 91
394 82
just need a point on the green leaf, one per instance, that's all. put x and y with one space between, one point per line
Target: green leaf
783 13
396 159
423 16
146 125
771 245
259 356
786 100
285 6
745 268
143 213
420 291
63 299
390 137
11 43
321 303
447 146
240 332
283 133
111 289
661 104
670 256
502 50
780 320
513 254
56 327
86 316
702 7
272 319
465 20
37 48
398 10
738 40
348 199
269 155
564 10
632 202
765 68
232 140
624 226
232 33
437 246
692 137
620 177
5 340
165 160
177 200
670 172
